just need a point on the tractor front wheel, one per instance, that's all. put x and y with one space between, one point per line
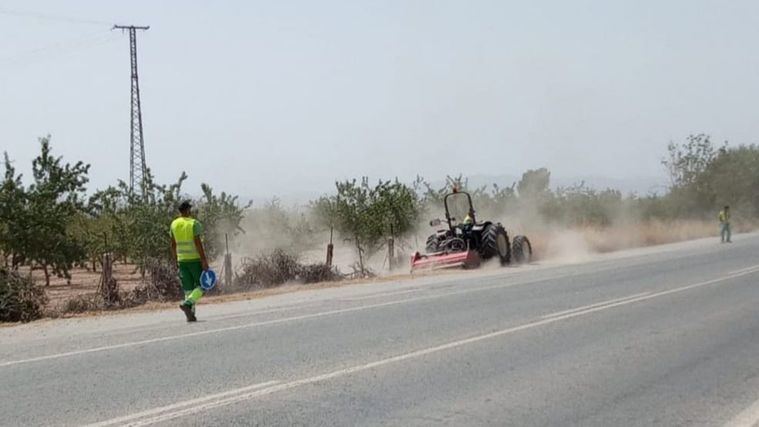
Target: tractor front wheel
433 244
495 242
521 250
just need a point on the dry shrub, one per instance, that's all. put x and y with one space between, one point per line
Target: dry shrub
646 234
267 270
577 243
361 272
279 267
82 304
162 285
315 273
20 299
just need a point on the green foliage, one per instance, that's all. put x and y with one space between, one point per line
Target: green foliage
221 216
137 227
579 205
686 162
12 223
50 224
38 221
20 299
369 214
486 200
704 178
148 218
534 183
732 178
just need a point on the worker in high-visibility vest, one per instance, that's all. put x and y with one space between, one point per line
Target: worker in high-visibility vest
191 258
724 224
468 219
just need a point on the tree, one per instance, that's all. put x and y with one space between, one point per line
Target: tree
534 183
13 216
369 214
148 217
685 162
52 201
220 215
732 178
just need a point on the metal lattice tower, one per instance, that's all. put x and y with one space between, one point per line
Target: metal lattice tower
137 164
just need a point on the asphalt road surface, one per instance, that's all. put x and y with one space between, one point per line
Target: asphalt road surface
659 336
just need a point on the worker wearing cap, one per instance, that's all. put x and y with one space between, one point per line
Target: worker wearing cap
724 224
191 258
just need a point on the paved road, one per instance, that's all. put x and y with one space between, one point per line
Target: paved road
663 336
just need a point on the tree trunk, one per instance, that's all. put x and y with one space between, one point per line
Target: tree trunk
330 253
47 275
360 257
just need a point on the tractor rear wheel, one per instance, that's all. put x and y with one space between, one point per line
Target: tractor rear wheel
521 250
495 242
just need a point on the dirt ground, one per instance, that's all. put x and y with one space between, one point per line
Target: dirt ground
83 282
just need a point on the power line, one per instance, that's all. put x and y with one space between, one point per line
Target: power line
50 17
51 50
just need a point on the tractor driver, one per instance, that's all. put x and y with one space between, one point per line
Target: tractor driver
466 226
468 220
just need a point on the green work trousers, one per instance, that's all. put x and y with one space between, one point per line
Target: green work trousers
189 276
725 232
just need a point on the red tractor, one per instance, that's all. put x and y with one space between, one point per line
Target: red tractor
467 242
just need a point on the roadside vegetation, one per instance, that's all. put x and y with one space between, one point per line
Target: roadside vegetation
53 225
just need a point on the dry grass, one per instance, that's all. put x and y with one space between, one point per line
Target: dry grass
580 241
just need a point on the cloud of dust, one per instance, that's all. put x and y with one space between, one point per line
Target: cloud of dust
550 242
293 229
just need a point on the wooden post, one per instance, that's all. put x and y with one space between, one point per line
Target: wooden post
330 249
390 253
360 257
227 264
391 249
330 254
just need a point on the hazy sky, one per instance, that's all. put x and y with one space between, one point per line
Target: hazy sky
283 97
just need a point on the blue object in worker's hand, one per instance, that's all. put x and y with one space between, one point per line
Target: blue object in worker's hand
207 280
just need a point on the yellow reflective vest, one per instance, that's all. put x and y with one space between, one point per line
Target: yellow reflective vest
183 231
724 217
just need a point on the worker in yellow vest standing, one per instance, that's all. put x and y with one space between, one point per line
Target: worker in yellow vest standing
191 258
724 225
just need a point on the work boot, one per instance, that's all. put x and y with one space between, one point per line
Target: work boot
188 312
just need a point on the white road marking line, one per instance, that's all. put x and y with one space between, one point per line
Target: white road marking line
261 323
751 269
749 417
265 311
573 310
240 397
179 405
379 295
